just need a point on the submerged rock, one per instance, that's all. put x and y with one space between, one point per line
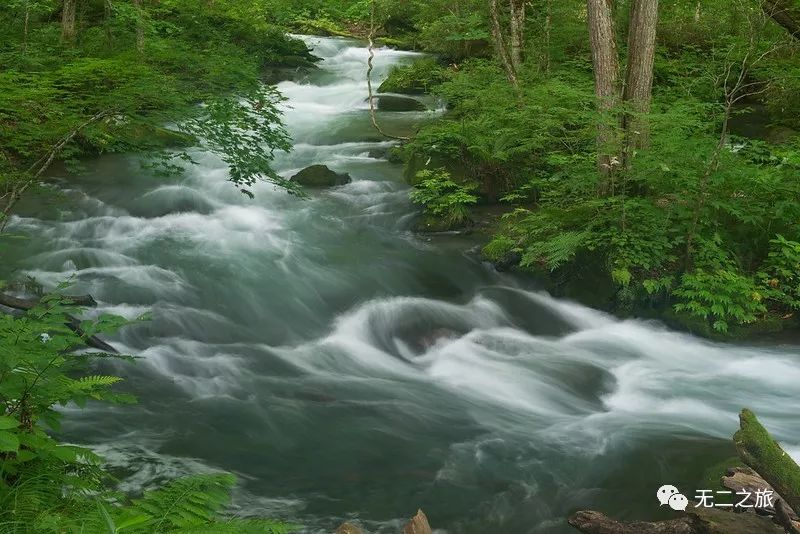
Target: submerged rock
320 176
399 103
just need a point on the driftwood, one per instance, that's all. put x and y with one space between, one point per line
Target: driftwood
701 521
72 323
745 481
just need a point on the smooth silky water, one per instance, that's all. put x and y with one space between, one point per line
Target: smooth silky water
345 368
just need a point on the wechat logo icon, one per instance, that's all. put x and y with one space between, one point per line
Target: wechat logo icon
670 496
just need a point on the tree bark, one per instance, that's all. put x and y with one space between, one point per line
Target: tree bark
499 44
137 4
784 12
605 59
68 10
548 25
639 77
517 32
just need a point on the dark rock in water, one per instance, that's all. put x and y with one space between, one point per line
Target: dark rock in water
380 153
320 176
399 103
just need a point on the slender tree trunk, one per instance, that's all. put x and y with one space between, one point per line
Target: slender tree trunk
27 21
500 46
605 59
108 12
639 77
548 26
137 4
697 12
68 20
517 32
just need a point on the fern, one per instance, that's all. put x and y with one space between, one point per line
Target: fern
186 502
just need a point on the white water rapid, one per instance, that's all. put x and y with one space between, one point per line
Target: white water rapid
345 368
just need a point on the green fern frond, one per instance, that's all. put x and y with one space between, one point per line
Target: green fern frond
189 502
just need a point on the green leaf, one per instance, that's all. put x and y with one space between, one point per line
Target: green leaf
8 442
7 422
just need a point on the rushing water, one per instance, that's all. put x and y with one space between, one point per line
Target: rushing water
344 368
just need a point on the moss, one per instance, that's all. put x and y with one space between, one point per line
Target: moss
418 78
712 478
760 451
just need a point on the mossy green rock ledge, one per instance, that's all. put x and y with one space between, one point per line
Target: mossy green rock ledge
399 103
320 176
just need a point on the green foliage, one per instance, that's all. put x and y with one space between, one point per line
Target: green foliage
102 95
721 297
442 197
780 273
46 486
419 77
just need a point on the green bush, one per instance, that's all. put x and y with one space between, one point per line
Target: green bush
417 78
442 197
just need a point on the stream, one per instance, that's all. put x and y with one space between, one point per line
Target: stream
345 368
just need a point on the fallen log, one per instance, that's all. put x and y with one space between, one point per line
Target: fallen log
758 450
745 481
72 323
701 521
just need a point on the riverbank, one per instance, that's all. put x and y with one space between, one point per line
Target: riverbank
703 266
100 85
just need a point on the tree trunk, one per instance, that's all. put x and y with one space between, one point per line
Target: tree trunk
784 12
605 59
639 77
68 20
27 21
548 25
500 46
137 4
517 32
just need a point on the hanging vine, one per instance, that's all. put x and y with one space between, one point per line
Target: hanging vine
371 47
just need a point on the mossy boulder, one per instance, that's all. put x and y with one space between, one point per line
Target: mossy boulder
415 79
320 176
399 103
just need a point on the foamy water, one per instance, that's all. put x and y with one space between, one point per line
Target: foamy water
346 369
